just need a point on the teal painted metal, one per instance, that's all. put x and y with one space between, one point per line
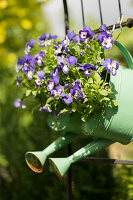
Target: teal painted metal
126 54
35 160
61 165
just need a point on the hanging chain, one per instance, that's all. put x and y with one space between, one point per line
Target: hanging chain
66 16
120 11
83 17
100 10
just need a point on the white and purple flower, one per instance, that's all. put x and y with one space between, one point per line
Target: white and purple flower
30 75
45 39
18 81
66 62
58 91
28 64
46 108
19 64
39 57
38 82
111 66
87 68
67 98
105 38
18 104
50 85
86 33
29 46
76 92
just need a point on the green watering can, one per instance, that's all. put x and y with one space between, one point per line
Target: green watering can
116 126
35 160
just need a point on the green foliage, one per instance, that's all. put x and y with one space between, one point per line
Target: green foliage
94 85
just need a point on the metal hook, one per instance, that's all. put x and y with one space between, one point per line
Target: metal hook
120 19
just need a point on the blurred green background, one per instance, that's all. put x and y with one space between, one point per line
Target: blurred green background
21 131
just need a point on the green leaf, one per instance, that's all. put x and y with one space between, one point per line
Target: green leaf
97 77
90 80
115 103
49 100
103 92
63 111
34 93
28 92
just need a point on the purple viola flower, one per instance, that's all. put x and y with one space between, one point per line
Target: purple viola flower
65 66
72 60
58 49
41 39
100 37
70 35
30 75
77 93
66 86
58 91
18 104
76 82
54 75
45 39
83 35
86 33
107 43
81 53
87 68
50 85
103 28
105 40
76 39
56 71
53 37
64 63
28 64
55 79
38 83
41 75
46 108
111 66
66 42
19 64
18 81
39 57
29 45
90 32
67 98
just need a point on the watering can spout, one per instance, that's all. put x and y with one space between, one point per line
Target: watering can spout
61 165
35 160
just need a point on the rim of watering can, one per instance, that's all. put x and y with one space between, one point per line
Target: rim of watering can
55 169
33 162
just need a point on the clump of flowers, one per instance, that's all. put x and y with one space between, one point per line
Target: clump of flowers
68 76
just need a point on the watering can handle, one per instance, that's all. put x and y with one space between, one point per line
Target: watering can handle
125 53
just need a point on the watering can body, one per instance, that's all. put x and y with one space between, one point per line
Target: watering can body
117 124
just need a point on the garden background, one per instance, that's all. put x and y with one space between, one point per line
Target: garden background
20 130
